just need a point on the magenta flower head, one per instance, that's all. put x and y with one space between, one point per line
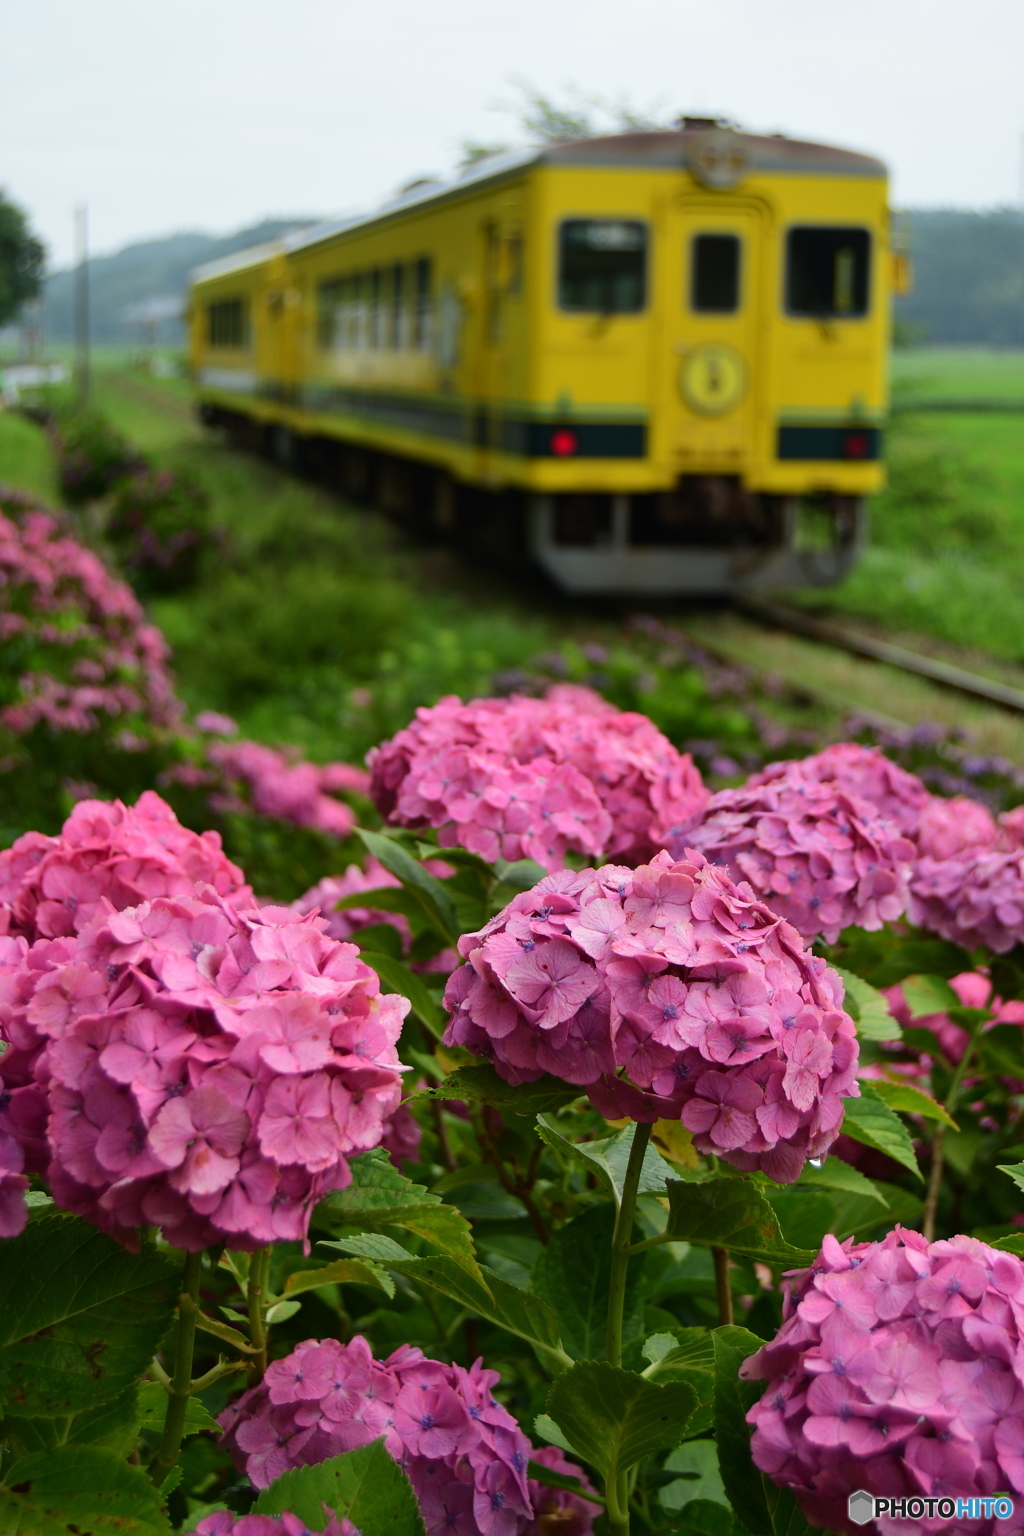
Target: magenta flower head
224 1523
463 1452
819 852
866 772
108 855
897 1369
968 880
259 778
535 778
206 1070
665 992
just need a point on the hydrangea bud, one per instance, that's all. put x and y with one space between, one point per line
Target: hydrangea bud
463 1452
665 992
108 855
898 1370
206 1070
535 778
812 845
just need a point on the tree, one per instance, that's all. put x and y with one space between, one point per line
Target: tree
21 260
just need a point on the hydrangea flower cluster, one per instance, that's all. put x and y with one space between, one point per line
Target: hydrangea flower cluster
326 894
968 881
108 855
205 1069
534 778
463 1452
666 992
809 842
80 647
223 1523
259 778
897 1369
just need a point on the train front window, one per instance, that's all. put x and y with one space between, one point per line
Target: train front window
715 274
827 272
602 266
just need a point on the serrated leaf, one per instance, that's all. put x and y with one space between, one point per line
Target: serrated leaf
79 1491
546 1429
395 976
427 890
614 1418
703 1517
835 1174
805 1214
341 1272
732 1214
870 1121
912 1101
153 1411
523 874
80 1318
608 1157
658 1345
1014 1171
859 1216
366 1485
572 1274
385 898
697 1460
925 995
380 1196
373 1246
868 1008
483 1085
114 1426
489 1297
537 1472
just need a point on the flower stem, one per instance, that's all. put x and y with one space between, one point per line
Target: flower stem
931 1199
723 1287
620 1257
180 1389
259 1271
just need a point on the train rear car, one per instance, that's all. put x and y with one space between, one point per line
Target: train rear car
657 358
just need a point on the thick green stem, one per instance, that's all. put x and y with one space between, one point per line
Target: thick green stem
723 1286
931 1199
259 1271
180 1389
620 1250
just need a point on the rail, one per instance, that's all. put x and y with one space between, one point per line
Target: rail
942 672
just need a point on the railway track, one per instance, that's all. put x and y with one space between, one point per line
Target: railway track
984 689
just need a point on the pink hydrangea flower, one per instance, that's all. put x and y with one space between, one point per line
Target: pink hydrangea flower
94 660
968 881
664 992
897 1369
202 1068
463 1452
224 1523
535 778
278 784
811 845
108 855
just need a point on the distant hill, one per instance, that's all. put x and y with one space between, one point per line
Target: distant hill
968 277
968 267
145 279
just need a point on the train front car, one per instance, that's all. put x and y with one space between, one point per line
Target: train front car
655 359
715 340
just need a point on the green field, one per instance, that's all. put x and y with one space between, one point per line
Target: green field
946 559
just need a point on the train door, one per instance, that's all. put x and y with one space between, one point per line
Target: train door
280 300
712 309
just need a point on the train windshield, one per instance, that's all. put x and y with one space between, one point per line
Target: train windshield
715 274
827 272
603 266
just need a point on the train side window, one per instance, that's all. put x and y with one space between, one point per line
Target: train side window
376 308
397 327
228 324
827 272
329 312
715 274
602 266
421 308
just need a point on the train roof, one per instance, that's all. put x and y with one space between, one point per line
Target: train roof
649 149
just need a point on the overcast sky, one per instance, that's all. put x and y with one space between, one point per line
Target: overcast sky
207 114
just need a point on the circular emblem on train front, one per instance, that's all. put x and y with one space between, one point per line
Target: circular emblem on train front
713 379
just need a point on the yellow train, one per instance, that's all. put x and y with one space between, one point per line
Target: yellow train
657 360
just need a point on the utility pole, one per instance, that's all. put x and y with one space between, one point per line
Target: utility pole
82 303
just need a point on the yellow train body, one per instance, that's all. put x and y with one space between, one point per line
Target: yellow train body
659 346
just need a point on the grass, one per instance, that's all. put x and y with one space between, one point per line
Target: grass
946 560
